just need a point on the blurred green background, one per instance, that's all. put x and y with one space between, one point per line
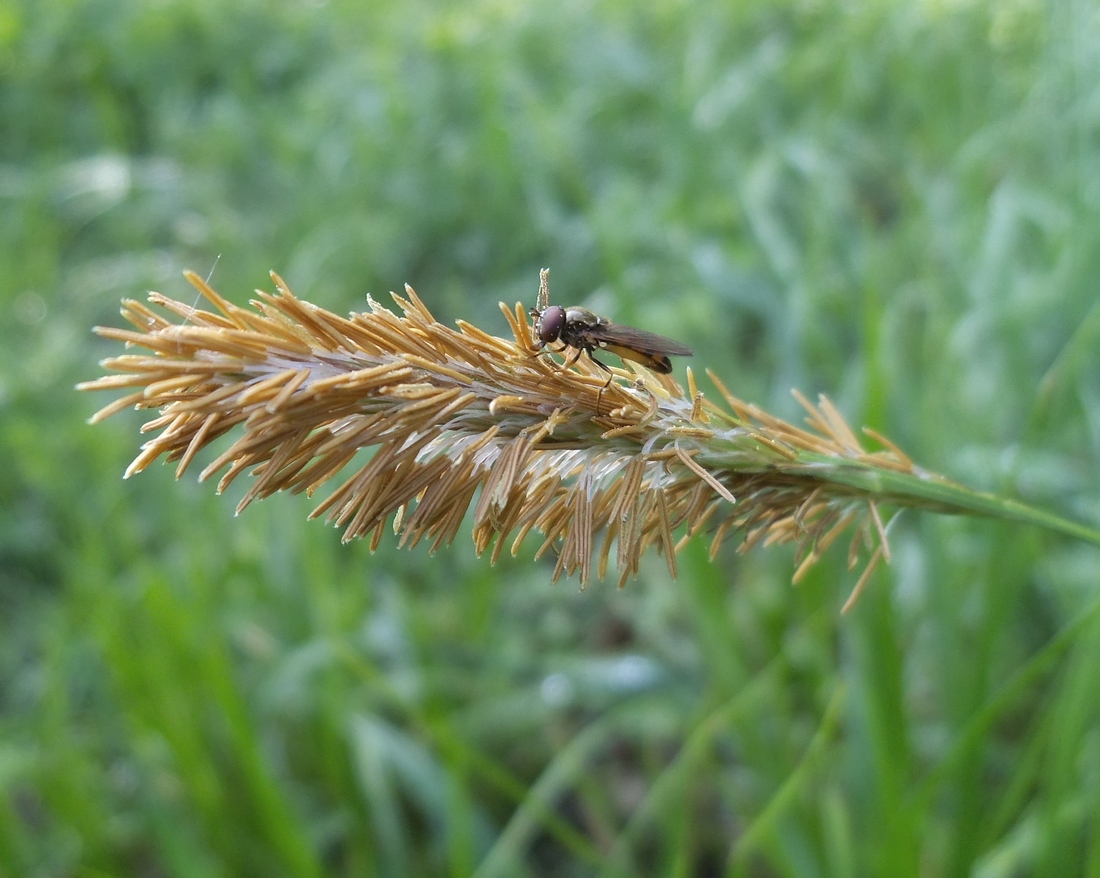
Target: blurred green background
897 204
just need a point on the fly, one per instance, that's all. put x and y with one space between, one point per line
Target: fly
583 330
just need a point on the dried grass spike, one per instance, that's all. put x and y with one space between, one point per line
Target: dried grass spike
454 418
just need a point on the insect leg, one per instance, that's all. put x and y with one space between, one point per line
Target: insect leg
541 349
610 378
573 357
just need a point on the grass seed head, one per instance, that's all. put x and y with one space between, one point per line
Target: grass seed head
457 418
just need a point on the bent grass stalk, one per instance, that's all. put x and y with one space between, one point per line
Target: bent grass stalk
594 469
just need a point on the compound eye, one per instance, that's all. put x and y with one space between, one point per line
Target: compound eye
550 324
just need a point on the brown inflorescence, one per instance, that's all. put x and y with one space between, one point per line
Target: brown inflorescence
431 420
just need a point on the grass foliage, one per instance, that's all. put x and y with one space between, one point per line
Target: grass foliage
895 204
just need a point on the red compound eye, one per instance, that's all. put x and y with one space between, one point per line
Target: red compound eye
550 324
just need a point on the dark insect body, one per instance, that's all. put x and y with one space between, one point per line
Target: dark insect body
582 330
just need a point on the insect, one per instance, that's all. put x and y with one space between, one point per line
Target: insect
582 330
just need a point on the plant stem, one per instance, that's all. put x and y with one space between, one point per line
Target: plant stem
924 489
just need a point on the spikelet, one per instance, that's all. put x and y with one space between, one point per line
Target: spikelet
459 419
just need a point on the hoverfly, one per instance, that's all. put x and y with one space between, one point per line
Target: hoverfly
582 330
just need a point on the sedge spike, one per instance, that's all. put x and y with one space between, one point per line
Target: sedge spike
459 419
